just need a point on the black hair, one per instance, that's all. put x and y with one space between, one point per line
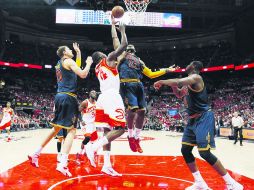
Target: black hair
97 57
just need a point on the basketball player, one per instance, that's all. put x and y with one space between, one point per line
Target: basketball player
87 109
110 112
66 105
131 69
61 135
201 125
8 114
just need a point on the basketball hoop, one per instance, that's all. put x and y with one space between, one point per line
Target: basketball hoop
136 5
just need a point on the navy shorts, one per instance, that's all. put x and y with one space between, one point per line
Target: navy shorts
200 131
133 95
62 133
66 111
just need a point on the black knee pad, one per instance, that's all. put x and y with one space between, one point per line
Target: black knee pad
86 140
118 128
208 156
187 153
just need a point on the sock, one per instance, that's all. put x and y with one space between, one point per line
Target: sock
100 143
228 179
64 159
59 145
137 133
130 132
107 162
38 151
197 176
83 150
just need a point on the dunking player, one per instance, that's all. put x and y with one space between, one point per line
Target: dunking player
201 125
131 69
8 114
66 105
87 109
110 112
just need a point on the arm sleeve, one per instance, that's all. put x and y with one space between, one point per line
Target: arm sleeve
78 62
150 74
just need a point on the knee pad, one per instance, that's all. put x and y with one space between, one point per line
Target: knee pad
86 140
118 128
208 156
187 153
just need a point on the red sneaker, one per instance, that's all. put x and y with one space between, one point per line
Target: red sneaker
132 143
139 149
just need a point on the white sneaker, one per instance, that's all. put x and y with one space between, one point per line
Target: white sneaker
64 170
34 160
198 186
110 171
90 155
234 186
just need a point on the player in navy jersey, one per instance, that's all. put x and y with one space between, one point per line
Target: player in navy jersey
66 105
201 125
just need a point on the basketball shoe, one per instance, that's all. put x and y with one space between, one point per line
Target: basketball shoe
132 143
198 185
64 170
110 171
234 186
34 160
138 147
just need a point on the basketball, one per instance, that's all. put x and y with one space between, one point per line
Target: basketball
117 11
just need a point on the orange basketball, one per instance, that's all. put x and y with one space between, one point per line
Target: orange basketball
117 11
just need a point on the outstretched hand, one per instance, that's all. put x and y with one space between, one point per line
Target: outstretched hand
76 47
89 60
121 26
173 68
157 85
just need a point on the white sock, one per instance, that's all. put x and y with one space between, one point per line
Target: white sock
130 132
64 159
100 143
228 178
137 133
38 151
197 176
83 150
107 162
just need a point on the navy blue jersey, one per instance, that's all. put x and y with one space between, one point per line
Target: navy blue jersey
66 79
130 67
197 102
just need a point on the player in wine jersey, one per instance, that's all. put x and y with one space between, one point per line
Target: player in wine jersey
110 112
131 70
201 126
87 109
8 114
66 105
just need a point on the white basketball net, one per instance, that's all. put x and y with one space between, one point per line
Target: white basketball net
136 5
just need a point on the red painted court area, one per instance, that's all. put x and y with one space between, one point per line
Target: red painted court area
139 172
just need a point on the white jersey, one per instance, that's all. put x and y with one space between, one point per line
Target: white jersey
108 77
88 114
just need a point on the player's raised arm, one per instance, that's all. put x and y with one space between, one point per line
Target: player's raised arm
151 74
116 41
78 53
113 55
190 80
73 66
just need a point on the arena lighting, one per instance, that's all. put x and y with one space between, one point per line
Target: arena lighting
247 66
72 2
20 65
49 2
48 66
209 69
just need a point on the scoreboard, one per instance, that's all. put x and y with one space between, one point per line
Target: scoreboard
150 19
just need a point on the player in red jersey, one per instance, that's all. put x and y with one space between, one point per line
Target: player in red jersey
8 114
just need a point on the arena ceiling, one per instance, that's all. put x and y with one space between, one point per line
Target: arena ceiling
198 15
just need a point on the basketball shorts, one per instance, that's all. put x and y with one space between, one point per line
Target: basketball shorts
62 133
133 95
88 128
110 110
200 132
66 111
6 122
